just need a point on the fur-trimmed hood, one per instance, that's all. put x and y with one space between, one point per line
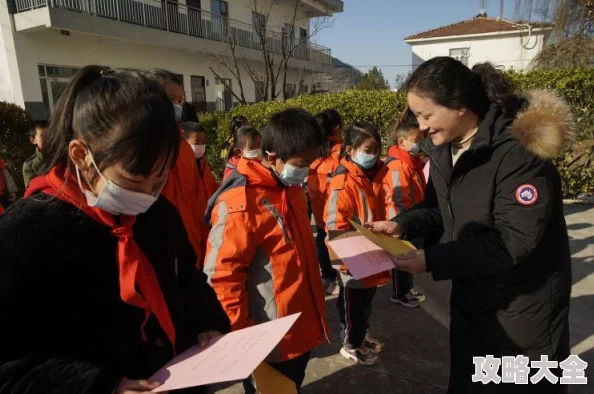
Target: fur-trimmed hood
545 125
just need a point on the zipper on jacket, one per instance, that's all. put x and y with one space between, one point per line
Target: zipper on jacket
278 218
366 218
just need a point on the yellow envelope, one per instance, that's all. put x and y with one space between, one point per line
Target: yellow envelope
270 381
394 246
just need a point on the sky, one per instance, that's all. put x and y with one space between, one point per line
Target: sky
370 32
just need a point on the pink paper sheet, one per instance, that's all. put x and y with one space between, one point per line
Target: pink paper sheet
362 257
231 357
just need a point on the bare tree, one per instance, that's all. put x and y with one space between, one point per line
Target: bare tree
572 39
276 50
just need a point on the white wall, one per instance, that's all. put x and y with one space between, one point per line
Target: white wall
280 14
511 51
52 48
10 86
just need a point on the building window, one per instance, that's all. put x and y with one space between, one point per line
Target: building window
461 54
260 90
53 80
224 98
218 7
258 20
289 36
304 90
289 91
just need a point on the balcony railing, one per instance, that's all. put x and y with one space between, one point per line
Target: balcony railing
170 16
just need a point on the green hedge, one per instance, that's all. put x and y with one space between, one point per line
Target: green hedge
15 146
384 107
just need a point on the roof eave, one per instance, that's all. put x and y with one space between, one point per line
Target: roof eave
464 36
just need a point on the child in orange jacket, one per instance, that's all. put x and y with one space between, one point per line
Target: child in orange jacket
195 134
247 143
182 188
355 192
404 185
320 174
261 259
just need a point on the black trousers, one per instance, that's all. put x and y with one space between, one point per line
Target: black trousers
402 282
324 257
354 310
293 369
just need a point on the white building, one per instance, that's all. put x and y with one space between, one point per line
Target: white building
506 43
43 42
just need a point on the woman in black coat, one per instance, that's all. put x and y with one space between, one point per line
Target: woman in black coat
495 196
98 285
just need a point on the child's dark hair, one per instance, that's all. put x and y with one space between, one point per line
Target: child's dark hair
236 122
239 138
451 84
358 133
121 115
36 124
163 77
403 130
291 131
192 127
328 121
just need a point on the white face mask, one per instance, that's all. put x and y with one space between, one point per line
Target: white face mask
199 150
252 154
117 200
178 111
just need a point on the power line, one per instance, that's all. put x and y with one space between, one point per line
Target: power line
415 65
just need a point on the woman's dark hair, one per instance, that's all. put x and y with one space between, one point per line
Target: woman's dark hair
407 116
239 138
358 133
451 84
328 121
121 115
290 132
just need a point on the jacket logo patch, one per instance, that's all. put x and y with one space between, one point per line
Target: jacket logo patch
526 194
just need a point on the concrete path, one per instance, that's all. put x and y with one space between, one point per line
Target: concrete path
416 357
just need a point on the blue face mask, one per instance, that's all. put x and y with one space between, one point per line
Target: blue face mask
415 150
365 160
291 175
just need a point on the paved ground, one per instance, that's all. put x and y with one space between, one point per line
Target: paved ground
416 356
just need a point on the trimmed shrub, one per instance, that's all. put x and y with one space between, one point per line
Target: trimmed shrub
15 146
383 108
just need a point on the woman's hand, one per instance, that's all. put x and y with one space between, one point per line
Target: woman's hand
412 262
129 386
206 336
385 227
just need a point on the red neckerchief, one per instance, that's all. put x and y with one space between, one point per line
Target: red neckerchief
134 267
414 162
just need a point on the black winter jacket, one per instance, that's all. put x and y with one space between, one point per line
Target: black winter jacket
504 244
63 325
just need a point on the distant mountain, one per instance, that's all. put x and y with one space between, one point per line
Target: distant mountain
345 73
340 77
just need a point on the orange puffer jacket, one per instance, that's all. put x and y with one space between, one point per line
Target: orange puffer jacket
404 182
320 174
182 189
207 186
353 195
261 259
